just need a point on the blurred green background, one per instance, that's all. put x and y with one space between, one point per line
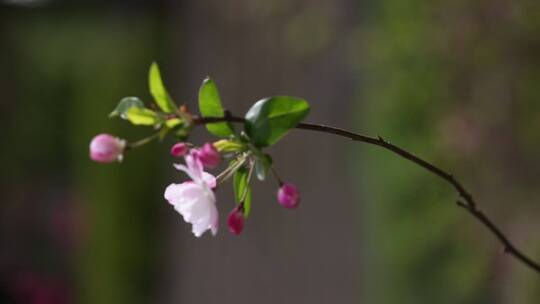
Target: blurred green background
456 82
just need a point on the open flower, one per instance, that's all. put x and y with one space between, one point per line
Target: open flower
195 199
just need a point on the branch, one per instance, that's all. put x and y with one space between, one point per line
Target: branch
467 202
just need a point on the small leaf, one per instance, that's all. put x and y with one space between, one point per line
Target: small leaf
173 122
158 91
142 116
163 133
262 164
124 105
241 184
181 134
227 145
210 106
271 118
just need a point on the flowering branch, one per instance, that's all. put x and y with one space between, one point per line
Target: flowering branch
467 201
267 121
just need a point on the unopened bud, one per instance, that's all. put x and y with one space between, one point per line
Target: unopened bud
179 149
288 196
105 148
209 156
236 221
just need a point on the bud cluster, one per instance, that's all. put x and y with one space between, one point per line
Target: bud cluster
268 120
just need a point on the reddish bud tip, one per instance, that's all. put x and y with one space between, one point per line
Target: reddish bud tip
209 156
179 149
236 221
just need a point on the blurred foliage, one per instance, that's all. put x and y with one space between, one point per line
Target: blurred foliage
447 79
70 67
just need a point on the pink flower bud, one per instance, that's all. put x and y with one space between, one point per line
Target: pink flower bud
105 148
235 221
179 149
288 196
209 156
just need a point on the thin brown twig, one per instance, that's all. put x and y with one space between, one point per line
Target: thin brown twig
467 202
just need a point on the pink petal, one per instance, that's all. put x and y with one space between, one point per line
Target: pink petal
194 164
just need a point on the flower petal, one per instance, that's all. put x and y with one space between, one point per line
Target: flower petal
183 191
194 165
190 173
195 200
214 220
209 179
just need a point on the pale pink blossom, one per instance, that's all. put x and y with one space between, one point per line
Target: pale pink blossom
195 199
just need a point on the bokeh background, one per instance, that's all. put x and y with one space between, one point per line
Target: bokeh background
456 81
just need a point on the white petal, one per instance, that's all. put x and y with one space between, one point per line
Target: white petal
214 220
190 173
186 190
195 166
195 210
198 229
209 179
196 203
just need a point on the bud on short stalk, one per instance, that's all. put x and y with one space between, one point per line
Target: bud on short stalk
179 149
236 220
209 156
288 196
105 148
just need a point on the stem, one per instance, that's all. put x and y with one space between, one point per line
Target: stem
227 173
276 176
467 202
244 194
142 142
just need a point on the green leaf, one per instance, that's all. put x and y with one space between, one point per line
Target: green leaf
173 122
271 118
158 91
142 116
182 134
227 145
124 105
163 132
262 164
241 184
210 106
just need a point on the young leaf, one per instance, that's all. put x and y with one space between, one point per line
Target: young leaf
173 122
241 184
269 119
124 105
142 116
227 146
210 106
163 132
158 91
262 164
